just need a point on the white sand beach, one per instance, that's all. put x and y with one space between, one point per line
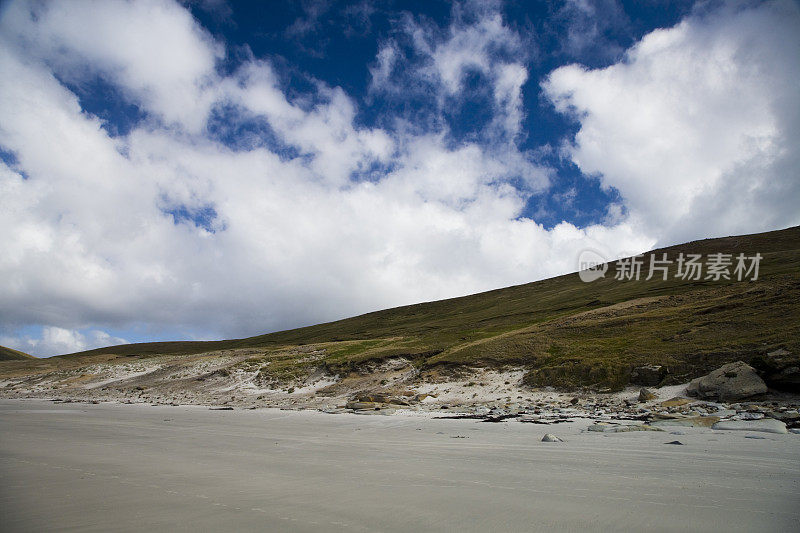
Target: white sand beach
112 467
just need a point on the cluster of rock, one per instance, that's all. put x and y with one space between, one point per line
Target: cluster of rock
380 401
780 369
718 404
729 383
729 398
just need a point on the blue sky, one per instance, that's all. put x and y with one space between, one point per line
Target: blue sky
213 169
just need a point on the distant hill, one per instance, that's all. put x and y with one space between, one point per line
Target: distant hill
563 331
8 354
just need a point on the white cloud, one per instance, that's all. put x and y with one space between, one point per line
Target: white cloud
55 340
153 49
697 127
440 60
324 130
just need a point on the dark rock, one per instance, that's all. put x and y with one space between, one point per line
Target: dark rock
785 416
780 369
648 375
679 443
731 382
500 417
373 398
398 401
646 395
693 388
362 406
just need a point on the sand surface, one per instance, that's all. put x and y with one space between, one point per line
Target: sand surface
112 467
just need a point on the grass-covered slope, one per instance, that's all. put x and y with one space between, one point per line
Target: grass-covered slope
564 331
8 354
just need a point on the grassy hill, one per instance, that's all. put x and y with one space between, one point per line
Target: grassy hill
565 332
8 354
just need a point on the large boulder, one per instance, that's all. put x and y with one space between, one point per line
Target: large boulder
766 425
648 375
729 383
780 369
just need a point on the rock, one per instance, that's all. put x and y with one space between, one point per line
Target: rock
664 416
691 421
676 402
373 398
397 401
648 375
549 437
785 416
751 416
796 431
574 401
646 395
362 406
602 427
677 442
731 382
780 369
765 425
693 388
754 437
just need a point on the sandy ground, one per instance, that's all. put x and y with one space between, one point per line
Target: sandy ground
112 467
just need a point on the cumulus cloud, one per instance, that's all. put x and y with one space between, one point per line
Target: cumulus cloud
697 127
180 226
424 60
55 340
152 49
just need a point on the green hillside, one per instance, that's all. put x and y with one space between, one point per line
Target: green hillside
8 354
564 331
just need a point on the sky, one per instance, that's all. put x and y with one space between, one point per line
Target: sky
219 169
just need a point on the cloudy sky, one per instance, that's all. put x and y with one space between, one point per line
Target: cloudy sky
203 170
